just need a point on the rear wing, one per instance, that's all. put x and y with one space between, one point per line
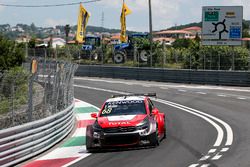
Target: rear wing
135 94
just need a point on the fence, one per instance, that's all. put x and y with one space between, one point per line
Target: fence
196 57
26 96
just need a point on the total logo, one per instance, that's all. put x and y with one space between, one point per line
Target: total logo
119 123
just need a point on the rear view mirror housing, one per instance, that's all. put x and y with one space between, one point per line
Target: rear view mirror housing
94 115
155 111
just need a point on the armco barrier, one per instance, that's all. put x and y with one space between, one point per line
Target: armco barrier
25 141
230 78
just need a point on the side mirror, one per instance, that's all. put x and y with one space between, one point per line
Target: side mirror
94 115
155 111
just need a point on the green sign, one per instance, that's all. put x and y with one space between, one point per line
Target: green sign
212 16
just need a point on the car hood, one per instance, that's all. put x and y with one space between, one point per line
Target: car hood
120 121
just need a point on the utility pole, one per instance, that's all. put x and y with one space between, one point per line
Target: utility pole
150 33
102 20
67 29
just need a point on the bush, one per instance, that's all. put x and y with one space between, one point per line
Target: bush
16 79
12 54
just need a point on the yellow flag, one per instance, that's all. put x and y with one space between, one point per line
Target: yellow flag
125 11
83 18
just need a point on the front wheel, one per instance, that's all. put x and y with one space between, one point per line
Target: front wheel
154 138
89 139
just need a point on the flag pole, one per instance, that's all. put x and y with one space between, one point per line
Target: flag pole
150 32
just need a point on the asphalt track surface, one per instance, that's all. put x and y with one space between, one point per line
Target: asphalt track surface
206 125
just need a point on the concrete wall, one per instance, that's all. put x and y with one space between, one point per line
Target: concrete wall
230 78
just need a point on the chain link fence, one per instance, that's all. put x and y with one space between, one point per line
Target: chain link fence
163 56
42 87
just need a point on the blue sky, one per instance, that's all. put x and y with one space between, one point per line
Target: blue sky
166 13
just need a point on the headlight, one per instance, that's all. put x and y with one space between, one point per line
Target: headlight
143 124
96 126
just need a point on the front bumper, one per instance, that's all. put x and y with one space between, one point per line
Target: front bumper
137 138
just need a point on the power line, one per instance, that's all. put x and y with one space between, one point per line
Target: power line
45 6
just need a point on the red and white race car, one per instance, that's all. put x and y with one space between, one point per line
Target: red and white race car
126 120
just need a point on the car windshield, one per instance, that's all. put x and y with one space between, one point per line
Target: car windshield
128 107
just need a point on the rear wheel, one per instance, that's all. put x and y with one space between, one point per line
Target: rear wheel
165 130
119 57
94 55
143 55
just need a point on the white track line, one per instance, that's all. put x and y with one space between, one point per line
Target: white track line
190 110
207 117
134 82
217 127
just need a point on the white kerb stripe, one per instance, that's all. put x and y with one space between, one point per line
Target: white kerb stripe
79 132
65 152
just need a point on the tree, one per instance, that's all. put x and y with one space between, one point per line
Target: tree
182 43
33 27
32 42
12 54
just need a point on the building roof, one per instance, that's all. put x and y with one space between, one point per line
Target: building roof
114 37
173 32
164 39
245 39
54 39
195 28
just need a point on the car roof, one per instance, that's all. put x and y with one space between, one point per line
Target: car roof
126 98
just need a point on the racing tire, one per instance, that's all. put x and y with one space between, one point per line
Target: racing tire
143 56
89 139
165 130
154 138
119 57
94 56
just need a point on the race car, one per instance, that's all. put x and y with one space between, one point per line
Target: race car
126 121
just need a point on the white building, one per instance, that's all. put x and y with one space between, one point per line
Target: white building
56 42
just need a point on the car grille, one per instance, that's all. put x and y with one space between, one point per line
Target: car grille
119 129
118 140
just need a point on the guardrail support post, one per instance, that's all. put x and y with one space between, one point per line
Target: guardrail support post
30 101
249 61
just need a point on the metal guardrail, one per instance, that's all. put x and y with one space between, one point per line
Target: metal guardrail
230 78
22 142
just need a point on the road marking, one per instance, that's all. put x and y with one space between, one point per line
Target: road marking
221 95
241 98
229 130
187 109
193 165
128 83
229 140
207 117
224 149
182 90
204 158
163 87
205 165
217 156
211 87
202 93
212 151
